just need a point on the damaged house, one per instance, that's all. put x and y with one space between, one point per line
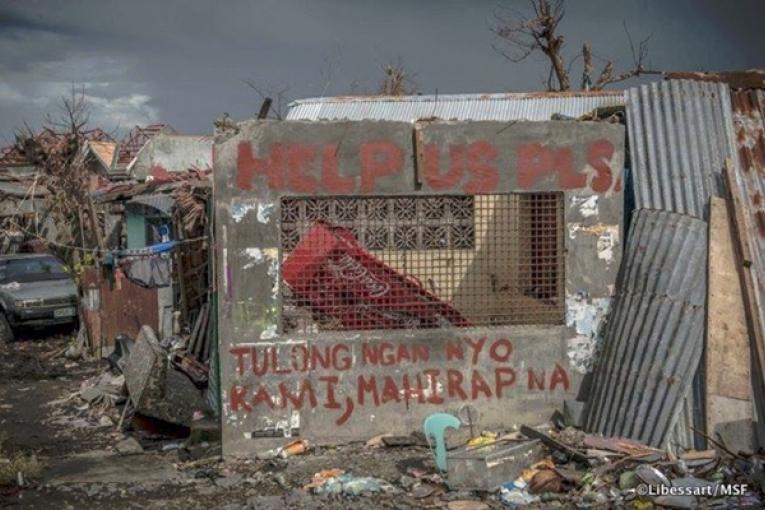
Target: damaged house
374 271
371 266
149 277
498 258
24 209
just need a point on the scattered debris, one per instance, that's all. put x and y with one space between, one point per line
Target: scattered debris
129 446
377 441
296 447
486 467
350 485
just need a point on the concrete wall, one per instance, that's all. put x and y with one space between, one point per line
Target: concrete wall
352 385
173 153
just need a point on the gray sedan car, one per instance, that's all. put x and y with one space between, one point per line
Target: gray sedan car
35 290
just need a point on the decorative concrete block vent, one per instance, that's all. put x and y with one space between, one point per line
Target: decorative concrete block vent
401 262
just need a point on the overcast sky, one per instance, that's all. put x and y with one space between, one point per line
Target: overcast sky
185 62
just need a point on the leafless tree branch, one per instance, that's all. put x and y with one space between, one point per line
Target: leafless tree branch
57 152
638 68
278 95
521 35
396 81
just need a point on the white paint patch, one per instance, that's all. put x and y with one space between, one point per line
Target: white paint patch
256 257
607 241
616 173
608 238
272 254
587 206
240 209
10 286
225 270
585 314
226 281
429 390
255 253
269 333
265 211
287 425
581 353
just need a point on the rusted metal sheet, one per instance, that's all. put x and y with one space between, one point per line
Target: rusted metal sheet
680 135
749 79
655 336
749 123
526 106
118 308
749 179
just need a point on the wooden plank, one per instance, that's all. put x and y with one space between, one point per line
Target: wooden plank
532 433
741 233
195 332
729 405
179 272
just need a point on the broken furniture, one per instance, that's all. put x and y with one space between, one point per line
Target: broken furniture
156 388
487 467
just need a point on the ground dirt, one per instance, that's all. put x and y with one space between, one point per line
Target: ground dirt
41 414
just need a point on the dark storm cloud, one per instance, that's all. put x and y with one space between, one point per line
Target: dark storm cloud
185 62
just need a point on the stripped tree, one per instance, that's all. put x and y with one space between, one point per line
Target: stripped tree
521 35
396 81
57 153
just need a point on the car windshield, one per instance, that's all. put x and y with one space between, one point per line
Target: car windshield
32 269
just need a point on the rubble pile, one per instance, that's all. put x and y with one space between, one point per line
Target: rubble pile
575 470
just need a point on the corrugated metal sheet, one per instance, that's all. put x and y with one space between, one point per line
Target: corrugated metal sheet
119 310
655 334
680 134
749 124
681 435
528 106
691 416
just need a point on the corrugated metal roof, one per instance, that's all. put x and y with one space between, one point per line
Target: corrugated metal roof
680 135
654 338
160 201
748 79
535 106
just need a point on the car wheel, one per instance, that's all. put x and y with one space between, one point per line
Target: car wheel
6 333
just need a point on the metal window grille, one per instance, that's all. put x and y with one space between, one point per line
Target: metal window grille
352 263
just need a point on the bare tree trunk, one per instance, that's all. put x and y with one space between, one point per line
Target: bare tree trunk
587 66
